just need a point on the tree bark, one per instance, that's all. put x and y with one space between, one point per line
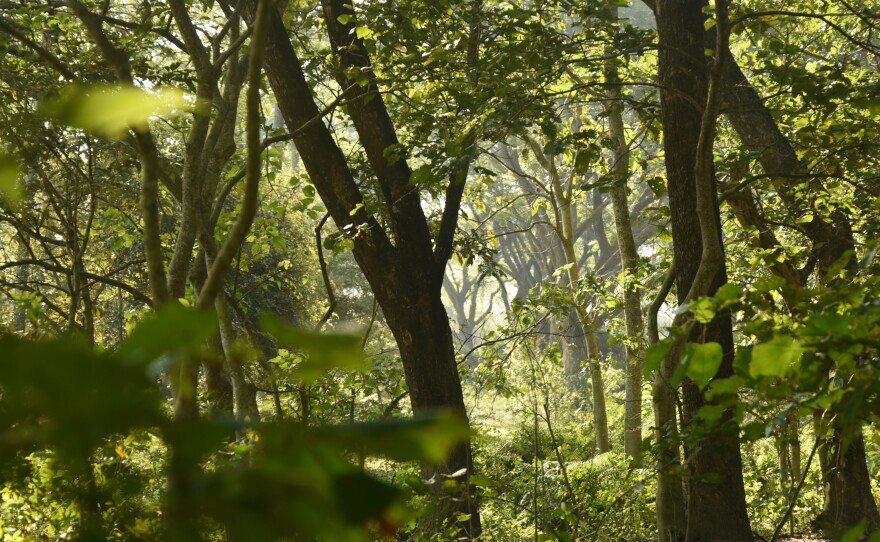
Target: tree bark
716 497
846 480
418 321
671 508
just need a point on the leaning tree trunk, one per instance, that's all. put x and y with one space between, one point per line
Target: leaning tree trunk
845 475
716 497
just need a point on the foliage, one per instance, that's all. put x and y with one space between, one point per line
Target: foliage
519 97
88 427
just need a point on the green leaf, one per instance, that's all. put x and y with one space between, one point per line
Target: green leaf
833 324
855 532
70 396
702 362
872 104
728 292
417 439
481 480
323 351
773 358
721 387
10 171
438 54
703 309
422 175
110 110
173 330
711 413
361 497
363 32
806 219
582 162
654 356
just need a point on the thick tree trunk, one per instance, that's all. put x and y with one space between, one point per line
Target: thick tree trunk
759 132
418 321
716 497
847 490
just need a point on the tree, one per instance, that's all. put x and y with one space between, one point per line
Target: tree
406 269
561 189
716 497
629 261
847 491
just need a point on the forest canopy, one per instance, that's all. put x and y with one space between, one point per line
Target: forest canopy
454 270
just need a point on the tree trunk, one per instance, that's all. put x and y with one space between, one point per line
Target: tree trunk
22 276
847 484
759 132
574 345
716 496
243 393
629 258
597 384
671 509
218 389
418 321
564 229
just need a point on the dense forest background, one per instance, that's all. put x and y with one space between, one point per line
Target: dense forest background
562 270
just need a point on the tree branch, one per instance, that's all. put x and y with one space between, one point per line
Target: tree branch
217 273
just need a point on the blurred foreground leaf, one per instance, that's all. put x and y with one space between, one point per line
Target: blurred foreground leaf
173 331
774 357
418 439
322 351
254 481
110 110
10 170
66 395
